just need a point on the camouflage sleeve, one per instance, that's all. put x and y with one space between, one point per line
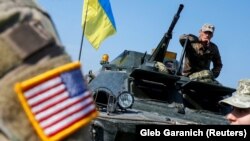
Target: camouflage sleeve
29 46
217 63
191 38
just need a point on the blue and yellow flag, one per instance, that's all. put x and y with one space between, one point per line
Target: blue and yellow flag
97 21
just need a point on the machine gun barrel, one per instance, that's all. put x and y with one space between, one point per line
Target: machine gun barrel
159 52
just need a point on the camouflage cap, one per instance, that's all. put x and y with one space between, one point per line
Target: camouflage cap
241 99
208 27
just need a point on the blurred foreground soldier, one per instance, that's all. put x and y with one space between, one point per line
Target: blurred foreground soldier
200 52
240 114
29 46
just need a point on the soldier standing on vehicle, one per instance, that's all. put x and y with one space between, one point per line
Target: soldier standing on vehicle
200 52
240 114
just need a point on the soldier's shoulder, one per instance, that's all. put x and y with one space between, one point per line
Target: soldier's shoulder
11 4
213 45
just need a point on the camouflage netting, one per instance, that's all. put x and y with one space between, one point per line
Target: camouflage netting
29 46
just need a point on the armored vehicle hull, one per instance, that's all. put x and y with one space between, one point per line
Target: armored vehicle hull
158 99
147 89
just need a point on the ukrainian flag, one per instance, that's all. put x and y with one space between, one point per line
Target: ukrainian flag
98 22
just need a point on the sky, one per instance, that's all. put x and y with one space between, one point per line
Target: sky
142 23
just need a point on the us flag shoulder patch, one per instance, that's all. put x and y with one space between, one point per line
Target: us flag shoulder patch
57 102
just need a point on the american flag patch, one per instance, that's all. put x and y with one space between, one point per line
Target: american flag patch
57 102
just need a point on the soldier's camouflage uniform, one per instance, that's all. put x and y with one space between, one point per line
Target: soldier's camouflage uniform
29 45
199 57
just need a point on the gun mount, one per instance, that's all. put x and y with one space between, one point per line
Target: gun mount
159 52
130 91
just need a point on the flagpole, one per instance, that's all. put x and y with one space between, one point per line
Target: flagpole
80 52
84 25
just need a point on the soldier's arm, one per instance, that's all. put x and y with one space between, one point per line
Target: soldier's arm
217 63
191 38
29 46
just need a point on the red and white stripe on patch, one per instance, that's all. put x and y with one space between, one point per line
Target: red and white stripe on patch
57 102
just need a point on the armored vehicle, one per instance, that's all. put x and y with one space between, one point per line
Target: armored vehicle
147 89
